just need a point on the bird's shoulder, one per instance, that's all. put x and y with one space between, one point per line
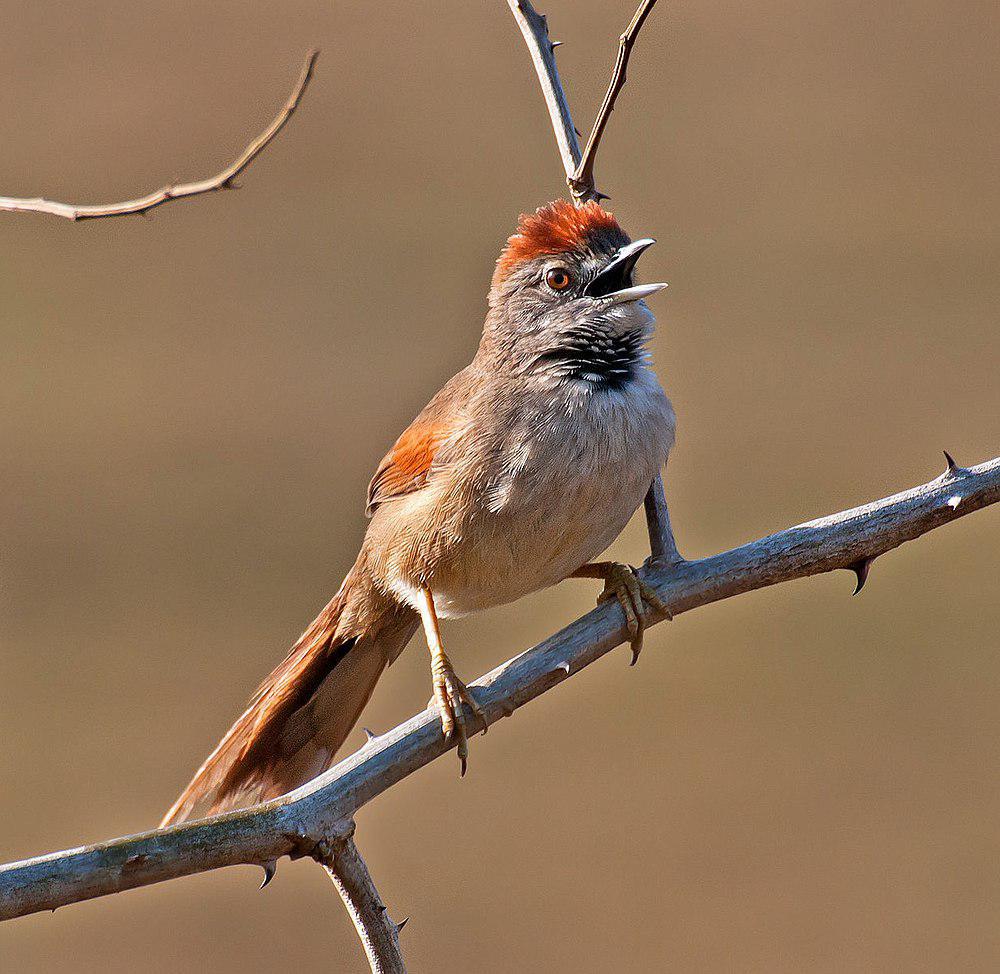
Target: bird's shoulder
405 468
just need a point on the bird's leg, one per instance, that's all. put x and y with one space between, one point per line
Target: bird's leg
449 691
622 583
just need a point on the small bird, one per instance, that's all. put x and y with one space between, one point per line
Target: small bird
522 469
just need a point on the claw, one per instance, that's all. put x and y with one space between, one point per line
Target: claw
623 584
450 694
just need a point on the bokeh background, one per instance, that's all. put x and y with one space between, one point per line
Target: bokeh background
192 406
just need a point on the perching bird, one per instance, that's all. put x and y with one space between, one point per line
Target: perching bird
523 468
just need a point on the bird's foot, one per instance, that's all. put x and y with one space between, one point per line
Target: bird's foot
622 583
450 693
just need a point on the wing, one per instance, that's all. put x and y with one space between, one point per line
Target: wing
406 466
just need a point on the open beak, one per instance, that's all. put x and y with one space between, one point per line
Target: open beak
614 281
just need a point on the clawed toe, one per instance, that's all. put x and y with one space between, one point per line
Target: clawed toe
450 694
622 583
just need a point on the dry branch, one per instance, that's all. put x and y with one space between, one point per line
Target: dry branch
297 824
317 820
378 932
330 841
143 204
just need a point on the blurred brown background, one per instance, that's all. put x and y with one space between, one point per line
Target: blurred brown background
193 404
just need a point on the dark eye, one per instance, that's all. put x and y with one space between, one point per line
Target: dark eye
558 278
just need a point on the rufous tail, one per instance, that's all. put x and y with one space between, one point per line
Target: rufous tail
305 709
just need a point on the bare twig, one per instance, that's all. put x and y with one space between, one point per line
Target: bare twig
579 167
143 204
297 823
379 933
341 857
582 181
534 28
662 547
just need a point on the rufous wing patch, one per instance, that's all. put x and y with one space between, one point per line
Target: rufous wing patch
404 468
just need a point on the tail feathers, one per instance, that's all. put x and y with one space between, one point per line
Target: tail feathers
296 721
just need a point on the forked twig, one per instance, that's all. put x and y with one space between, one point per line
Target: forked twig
143 204
579 167
317 819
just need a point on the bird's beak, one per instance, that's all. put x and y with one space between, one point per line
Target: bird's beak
614 281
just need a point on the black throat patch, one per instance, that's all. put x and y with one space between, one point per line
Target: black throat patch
606 360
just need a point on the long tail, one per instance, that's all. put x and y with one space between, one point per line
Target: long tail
302 713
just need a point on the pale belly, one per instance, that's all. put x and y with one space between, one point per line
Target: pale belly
565 495
538 547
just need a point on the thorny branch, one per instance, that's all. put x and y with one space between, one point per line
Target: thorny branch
332 844
318 819
378 932
579 171
299 822
143 204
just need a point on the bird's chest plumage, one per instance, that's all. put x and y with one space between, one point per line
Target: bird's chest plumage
554 487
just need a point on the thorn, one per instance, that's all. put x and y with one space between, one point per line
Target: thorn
370 734
402 923
601 196
564 666
953 468
861 569
270 868
579 134
554 44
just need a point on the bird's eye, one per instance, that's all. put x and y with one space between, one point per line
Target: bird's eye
558 278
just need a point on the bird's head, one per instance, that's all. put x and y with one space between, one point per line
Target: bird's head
563 298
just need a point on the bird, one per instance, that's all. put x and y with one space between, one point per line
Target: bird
519 472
